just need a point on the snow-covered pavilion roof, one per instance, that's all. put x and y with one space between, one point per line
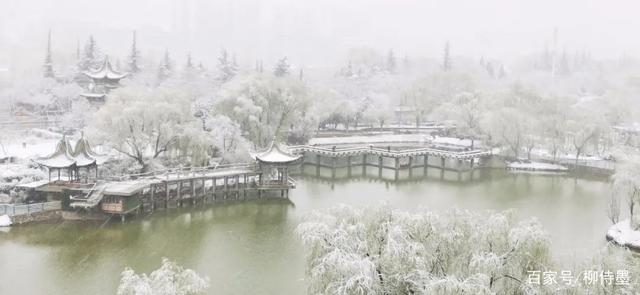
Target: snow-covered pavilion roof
83 154
62 157
276 154
105 71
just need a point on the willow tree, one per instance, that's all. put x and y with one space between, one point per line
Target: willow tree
379 250
626 184
144 124
170 278
265 107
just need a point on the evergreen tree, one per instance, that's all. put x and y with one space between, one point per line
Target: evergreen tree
564 64
226 66
134 56
446 59
78 50
166 67
301 75
90 58
282 67
189 64
490 70
501 72
349 72
406 62
48 61
391 62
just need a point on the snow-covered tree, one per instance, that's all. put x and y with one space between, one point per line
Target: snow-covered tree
134 56
90 56
226 136
584 125
282 67
264 106
169 279
391 62
48 61
506 126
626 185
226 67
465 111
166 67
379 250
144 124
446 58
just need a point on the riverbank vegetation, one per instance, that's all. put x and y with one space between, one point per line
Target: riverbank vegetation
169 279
381 250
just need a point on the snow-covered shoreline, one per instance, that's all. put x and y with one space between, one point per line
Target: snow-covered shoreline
622 234
5 221
536 166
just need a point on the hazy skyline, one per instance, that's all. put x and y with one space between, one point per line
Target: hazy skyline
316 33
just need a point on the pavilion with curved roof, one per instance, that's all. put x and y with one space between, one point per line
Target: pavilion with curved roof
71 159
273 166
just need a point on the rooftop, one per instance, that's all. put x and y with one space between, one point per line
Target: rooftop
276 154
105 72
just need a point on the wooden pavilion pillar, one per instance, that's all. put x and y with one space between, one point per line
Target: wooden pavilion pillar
226 187
318 160
364 164
166 192
180 193
153 197
410 166
397 167
193 192
244 191
237 187
333 166
213 188
426 164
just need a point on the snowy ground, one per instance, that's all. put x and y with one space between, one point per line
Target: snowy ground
536 166
30 144
5 220
622 234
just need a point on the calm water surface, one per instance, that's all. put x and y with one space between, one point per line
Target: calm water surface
250 248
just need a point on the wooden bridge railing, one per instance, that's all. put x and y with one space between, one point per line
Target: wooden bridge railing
184 171
348 151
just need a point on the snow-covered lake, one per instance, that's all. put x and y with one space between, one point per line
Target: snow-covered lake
250 248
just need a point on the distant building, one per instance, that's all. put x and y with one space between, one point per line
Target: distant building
103 80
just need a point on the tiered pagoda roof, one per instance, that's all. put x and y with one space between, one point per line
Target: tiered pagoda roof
105 73
64 156
275 154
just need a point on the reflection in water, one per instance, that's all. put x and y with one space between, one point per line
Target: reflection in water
246 247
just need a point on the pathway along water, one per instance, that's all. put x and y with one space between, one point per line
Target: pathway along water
250 247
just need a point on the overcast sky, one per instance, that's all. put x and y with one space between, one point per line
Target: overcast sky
320 31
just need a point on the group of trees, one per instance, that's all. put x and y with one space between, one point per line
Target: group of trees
380 250
169 279
521 114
